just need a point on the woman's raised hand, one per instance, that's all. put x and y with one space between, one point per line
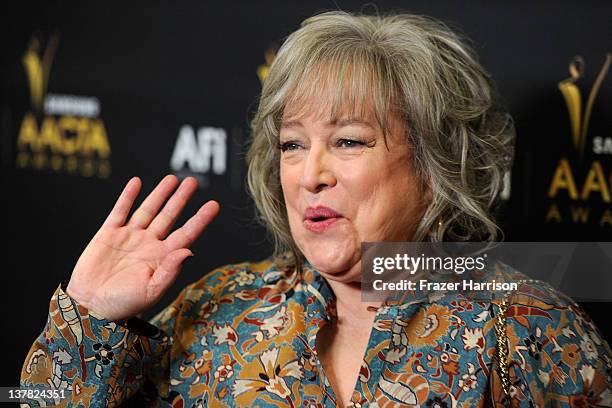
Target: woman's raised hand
128 265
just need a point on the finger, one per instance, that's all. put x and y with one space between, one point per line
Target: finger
124 203
150 206
166 218
166 273
191 230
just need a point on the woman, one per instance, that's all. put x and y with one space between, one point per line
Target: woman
368 129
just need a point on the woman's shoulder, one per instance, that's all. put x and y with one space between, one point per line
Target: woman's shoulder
221 286
531 309
244 273
537 294
542 320
230 278
245 281
549 336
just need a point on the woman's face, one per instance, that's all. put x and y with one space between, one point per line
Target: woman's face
343 186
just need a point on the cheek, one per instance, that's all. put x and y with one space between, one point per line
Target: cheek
289 179
376 205
370 186
288 182
367 201
380 196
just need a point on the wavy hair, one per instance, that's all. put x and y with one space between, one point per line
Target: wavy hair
410 65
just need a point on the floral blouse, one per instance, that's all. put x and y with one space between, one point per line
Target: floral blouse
244 336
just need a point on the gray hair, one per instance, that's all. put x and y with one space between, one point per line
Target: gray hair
412 66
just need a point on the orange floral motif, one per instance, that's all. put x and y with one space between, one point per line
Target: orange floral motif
267 373
429 325
80 393
282 326
404 389
571 355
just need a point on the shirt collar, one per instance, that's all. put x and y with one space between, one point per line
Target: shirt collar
320 302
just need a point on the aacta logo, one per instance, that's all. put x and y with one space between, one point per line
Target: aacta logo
61 133
595 188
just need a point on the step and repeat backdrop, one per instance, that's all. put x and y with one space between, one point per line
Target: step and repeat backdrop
93 93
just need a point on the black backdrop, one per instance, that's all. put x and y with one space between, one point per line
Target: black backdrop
161 80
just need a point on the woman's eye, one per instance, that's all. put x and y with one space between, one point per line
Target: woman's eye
288 146
349 143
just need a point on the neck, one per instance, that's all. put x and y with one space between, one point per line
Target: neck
351 310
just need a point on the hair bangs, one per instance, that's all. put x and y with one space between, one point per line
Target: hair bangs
345 83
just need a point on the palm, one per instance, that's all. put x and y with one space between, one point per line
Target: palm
127 267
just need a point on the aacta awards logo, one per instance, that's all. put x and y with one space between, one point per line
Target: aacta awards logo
589 196
61 133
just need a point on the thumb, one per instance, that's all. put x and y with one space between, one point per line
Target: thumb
166 272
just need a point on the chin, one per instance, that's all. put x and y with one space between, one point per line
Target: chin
334 253
337 264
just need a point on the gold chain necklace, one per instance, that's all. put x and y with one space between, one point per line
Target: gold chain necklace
502 341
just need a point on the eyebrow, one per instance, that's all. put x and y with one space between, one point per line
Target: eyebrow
338 123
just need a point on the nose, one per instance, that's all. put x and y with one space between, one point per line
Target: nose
317 174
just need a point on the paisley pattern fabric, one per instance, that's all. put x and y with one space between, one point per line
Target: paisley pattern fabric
244 336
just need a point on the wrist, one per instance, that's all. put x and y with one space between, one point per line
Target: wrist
83 300
75 295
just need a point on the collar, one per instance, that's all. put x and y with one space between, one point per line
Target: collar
320 302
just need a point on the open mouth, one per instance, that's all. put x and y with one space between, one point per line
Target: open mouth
318 219
320 224
322 219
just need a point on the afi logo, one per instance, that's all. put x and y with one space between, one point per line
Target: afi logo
199 154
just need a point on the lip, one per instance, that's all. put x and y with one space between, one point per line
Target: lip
331 217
